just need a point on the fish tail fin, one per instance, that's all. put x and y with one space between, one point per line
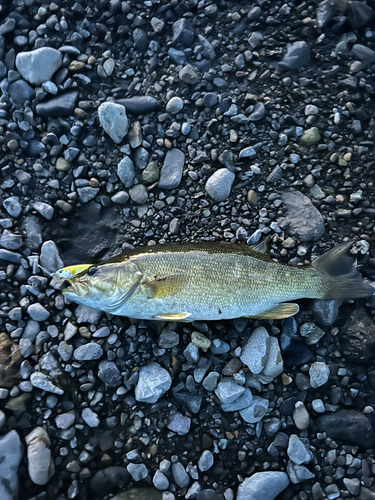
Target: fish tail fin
339 275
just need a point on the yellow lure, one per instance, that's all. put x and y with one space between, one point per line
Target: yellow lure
70 271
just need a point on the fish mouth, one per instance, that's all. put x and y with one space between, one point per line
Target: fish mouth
76 290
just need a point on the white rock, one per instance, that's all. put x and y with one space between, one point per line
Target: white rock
219 185
254 353
153 382
50 257
300 416
38 66
319 374
90 417
40 462
113 119
10 458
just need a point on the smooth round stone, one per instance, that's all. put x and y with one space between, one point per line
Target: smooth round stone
258 112
40 462
219 185
160 481
174 105
263 485
311 110
90 417
177 56
171 171
300 416
139 194
37 312
206 461
120 198
88 352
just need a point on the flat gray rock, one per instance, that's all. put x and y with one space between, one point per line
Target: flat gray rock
171 171
10 458
50 257
38 66
263 485
88 352
153 382
304 220
297 451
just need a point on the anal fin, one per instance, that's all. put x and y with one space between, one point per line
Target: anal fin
172 317
280 311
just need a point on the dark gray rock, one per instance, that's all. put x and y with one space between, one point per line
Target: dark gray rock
183 33
62 105
109 480
20 92
109 373
357 337
297 55
171 172
141 39
326 311
140 105
304 220
177 56
359 14
348 427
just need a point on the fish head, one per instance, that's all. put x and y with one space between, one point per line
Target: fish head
103 286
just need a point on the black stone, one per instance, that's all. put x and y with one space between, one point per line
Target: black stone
347 426
3 70
357 338
109 480
35 148
141 40
183 33
287 406
359 14
20 92
210 99
140 105
62 105
295 351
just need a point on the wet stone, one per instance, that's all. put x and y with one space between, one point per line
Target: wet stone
205 461
137 471
297 55
326 311
188 75
138 194
43 209
20 92
37 312
174 105
59 106
168 339
300 416
180 476
183 33
90 418
109 479
298 473
109 373
311 333
254 353
177 56
41 381
38 66
50 257
88 352
160 481
297 451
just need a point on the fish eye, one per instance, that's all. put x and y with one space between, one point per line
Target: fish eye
92 271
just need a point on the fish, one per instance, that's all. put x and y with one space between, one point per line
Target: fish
211 281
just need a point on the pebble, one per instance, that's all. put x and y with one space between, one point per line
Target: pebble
188 75
138 194
21 92
201 341
43 209
183 33
228 390
87 193
11 452
153 382
311 333
88 352
12 206
168 339
50 257
297 55
110 479
248 152
326 311
179 424
304 220
265 485
109 373
179 475
140 105
206 461
254 353
37 312
41 381
38 66
65 420
219 185
137 471
348 427
40 462
298 473
174 105
300 416
257 113
160 481
256 411
210 382
59 106
310 136
171 171
244 401
90 418
135 135
10 240
297 451
113 119
177 56
319 374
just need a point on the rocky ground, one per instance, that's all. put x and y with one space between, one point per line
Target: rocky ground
125 124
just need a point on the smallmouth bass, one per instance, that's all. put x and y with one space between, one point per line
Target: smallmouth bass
210 281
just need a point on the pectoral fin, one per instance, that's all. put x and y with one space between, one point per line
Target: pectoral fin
280 311
262 247
172 317
163 286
